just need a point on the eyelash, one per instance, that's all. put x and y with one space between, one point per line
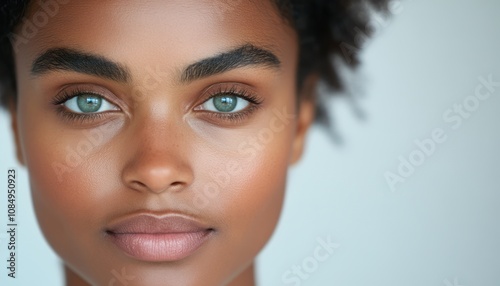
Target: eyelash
61 98
235 117
254 103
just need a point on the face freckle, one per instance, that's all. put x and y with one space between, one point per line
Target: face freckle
140 164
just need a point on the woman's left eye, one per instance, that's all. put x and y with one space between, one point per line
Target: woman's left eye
89 103
225 103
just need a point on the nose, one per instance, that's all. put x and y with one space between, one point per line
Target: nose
157 160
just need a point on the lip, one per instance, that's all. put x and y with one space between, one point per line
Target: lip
152 238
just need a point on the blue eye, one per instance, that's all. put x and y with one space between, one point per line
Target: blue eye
225 103
88 103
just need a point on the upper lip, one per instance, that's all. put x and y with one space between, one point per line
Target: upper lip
145 223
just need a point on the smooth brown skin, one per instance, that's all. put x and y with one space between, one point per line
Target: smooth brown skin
157 152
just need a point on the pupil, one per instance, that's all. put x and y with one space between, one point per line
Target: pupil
89 103
226 103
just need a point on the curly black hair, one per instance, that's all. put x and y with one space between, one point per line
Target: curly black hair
326 29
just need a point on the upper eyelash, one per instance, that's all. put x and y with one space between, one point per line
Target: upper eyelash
243 93
60 98
65 95
255 102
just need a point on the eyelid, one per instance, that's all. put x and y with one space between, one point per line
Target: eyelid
72 104
72 91
245 102
84 119
238 89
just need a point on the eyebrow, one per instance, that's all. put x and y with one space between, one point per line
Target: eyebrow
247 55
65 59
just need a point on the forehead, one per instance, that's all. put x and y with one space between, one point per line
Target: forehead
177 31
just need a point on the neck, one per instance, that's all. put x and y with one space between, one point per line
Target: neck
246 278
72 279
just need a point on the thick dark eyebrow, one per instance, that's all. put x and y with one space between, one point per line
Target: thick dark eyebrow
247 55
65 59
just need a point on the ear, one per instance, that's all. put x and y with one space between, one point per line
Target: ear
15 131
306 112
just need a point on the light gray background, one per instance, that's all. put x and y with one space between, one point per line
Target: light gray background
439 227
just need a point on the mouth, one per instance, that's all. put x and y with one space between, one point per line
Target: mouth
159 239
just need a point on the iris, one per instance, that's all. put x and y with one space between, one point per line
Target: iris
225 103
89 103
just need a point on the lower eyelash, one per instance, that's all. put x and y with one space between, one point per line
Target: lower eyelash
78 117
235 117
81 118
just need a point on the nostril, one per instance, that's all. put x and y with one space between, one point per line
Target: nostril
150 172
175 184
140 185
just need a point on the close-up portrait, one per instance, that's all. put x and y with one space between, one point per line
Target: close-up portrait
249 143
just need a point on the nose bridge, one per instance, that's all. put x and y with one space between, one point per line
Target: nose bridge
158 153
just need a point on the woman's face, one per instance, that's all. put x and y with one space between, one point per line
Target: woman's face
157 137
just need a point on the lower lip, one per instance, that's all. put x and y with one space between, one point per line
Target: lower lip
162 246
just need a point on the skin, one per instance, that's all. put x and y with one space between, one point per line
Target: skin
156 152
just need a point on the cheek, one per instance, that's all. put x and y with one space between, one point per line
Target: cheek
245 190
66 178
257 189
255 201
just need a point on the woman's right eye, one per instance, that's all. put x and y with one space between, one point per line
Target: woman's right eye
88 103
